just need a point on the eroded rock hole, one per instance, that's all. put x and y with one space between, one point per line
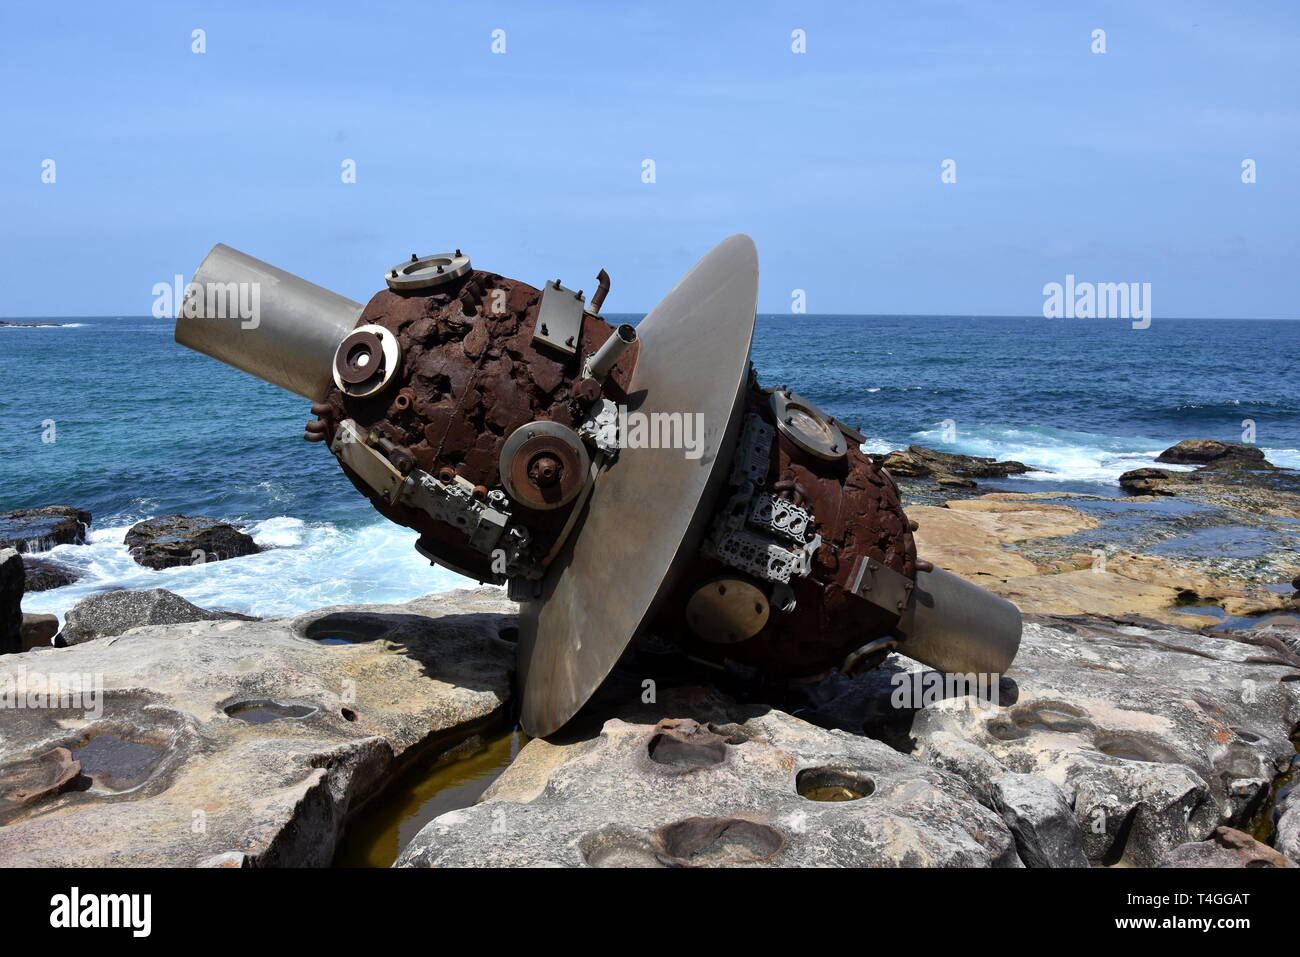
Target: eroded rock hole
265 710
686 743
345 629
833 784
713 841
115 762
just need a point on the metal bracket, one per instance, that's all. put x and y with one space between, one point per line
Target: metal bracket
880 585
376 471
600 428
559 319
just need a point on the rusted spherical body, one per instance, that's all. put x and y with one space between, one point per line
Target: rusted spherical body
471 375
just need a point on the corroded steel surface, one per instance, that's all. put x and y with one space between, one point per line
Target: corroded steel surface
857 512
470 376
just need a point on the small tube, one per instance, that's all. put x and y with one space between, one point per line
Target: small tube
607 356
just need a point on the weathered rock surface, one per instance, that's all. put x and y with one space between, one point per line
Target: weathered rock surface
947 468
753 787
1155 735
1226 847
1149 481
11 601
40 529
43 574
971 537
169 773
1205 451
1036 811
115 612
186 540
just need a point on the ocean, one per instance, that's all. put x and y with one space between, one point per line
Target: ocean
143 427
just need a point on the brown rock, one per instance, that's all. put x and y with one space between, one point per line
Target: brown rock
1204 451
1226 847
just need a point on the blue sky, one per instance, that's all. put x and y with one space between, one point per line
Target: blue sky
1123 166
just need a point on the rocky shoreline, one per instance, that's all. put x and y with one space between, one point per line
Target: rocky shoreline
1134 729
1107 743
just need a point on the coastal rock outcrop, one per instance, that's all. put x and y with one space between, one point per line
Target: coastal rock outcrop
40 529
751 787
186 540
1155 735
1212 451
114 612
38 630
11 601
43 574
946 468
229 743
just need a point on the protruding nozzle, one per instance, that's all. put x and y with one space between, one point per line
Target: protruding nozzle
265 321
957 627
607 356
602 290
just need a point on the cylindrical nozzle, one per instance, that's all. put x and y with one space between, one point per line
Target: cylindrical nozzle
265 321
607 356
958 627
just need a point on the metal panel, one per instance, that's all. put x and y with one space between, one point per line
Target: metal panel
648 513
559 320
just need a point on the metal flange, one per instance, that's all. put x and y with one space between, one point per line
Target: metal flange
807 426
366 361
544 465
418 274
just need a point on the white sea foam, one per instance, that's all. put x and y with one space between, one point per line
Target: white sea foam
1059 454
304 566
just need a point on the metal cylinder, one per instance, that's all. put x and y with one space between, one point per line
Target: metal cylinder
265 321
607 356
957 627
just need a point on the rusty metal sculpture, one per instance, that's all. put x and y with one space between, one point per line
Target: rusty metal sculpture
499 420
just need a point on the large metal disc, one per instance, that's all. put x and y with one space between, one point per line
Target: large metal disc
649 512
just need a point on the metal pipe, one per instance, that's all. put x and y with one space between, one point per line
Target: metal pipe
958 627
265 321
607 356
602 290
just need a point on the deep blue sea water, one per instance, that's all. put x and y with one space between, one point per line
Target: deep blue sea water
146 427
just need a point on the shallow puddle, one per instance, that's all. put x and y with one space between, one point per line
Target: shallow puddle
446 783
116 763
264 711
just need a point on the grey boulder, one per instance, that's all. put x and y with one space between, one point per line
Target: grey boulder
174 540
115 612
1036 811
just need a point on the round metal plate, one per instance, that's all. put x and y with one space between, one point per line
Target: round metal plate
385 369
807 426
535 437
727 611
648 512
427 272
